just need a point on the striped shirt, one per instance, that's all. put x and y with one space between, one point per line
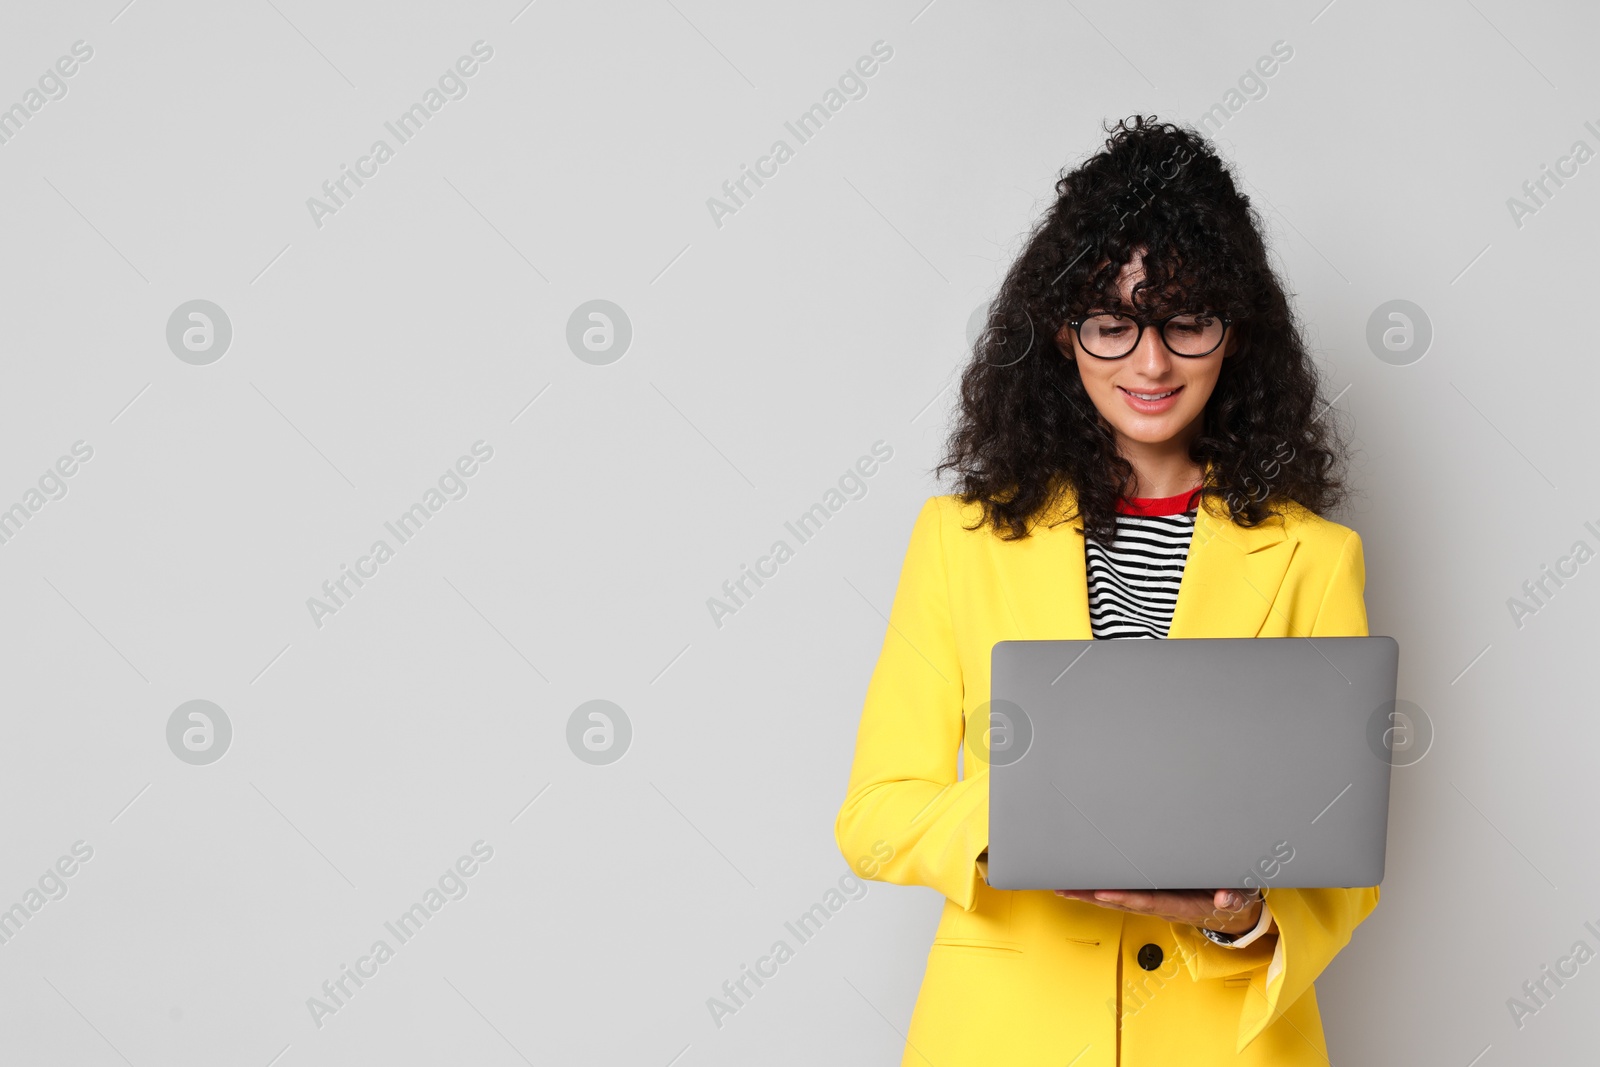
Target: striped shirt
1133 582
1133 588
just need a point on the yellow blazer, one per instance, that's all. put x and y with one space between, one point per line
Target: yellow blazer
1023 978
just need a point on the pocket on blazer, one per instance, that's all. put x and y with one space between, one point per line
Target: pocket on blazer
1236 980
979 945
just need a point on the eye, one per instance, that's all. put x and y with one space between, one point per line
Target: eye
1192 321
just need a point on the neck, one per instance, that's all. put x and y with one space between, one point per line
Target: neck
1162 468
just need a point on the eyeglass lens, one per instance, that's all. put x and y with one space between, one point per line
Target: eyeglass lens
1110 336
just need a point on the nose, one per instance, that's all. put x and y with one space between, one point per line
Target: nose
1151 357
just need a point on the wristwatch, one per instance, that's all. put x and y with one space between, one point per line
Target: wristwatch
1246 938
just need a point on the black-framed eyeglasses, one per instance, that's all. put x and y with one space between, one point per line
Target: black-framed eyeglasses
1188 333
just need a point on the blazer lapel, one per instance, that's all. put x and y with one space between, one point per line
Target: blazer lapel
1043 580
1229 582
1231 578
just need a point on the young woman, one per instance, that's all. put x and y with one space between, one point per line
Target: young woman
1143 452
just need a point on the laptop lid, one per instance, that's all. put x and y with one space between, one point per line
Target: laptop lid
1193 763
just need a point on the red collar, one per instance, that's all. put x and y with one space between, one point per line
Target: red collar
1159 505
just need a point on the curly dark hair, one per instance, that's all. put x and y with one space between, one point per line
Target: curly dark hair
1027 426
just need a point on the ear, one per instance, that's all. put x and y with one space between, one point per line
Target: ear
1064 343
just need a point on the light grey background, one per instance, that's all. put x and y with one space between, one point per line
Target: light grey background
768 354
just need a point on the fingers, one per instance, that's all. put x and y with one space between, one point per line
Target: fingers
1195 906
1174 906
1100 897
1233 898
1236 900
1163 903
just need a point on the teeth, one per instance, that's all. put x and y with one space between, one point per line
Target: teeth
1151 396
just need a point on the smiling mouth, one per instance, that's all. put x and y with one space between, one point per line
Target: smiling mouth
1150 396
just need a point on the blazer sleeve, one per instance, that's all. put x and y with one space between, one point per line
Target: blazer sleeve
904 800
1313 924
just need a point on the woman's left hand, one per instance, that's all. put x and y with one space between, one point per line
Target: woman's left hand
1227 911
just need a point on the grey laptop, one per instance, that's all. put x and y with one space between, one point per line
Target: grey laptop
1193 763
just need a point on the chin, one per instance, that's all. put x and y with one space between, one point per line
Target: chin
1146 434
